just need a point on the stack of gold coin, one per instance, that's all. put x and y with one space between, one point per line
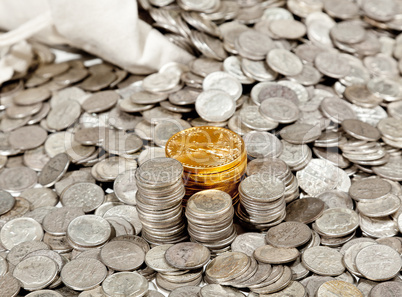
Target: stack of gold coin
210 220
212 158
159 200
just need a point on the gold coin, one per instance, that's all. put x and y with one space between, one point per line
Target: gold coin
206 149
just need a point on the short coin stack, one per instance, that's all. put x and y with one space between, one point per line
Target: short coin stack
178 265
279 169
212 157
210 219
159 200
262 203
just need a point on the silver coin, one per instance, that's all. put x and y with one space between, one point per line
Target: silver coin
88 231
83 274
371 258
36 272
284 62
7 202
53 170
279 110
248 242
215 105
125 284
57 221
224 82
251 117
122 255
40 197
337 222
187 255
20 230
87 196
17 179
125 187
323 261
63 115
9 286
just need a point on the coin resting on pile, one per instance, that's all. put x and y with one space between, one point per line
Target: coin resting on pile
270 165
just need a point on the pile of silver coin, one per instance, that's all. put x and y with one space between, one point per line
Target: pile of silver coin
89 208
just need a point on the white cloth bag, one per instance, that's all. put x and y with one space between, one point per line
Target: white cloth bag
109 29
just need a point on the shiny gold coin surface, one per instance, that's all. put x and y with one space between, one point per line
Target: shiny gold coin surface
206 149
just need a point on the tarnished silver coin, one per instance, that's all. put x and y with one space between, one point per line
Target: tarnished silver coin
27 137
7 202
369 188
187 255
9 286
339 287
288 235
54 169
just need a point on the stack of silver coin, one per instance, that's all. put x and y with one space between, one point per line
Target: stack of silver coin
210 219
177 265
262 203
159 200
278 168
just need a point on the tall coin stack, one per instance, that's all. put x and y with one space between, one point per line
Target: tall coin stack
262 203
159 200
210 220
278 168
212 157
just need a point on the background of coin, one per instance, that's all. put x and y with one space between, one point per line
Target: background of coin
312 87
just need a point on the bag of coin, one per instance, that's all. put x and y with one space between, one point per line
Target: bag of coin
108 29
